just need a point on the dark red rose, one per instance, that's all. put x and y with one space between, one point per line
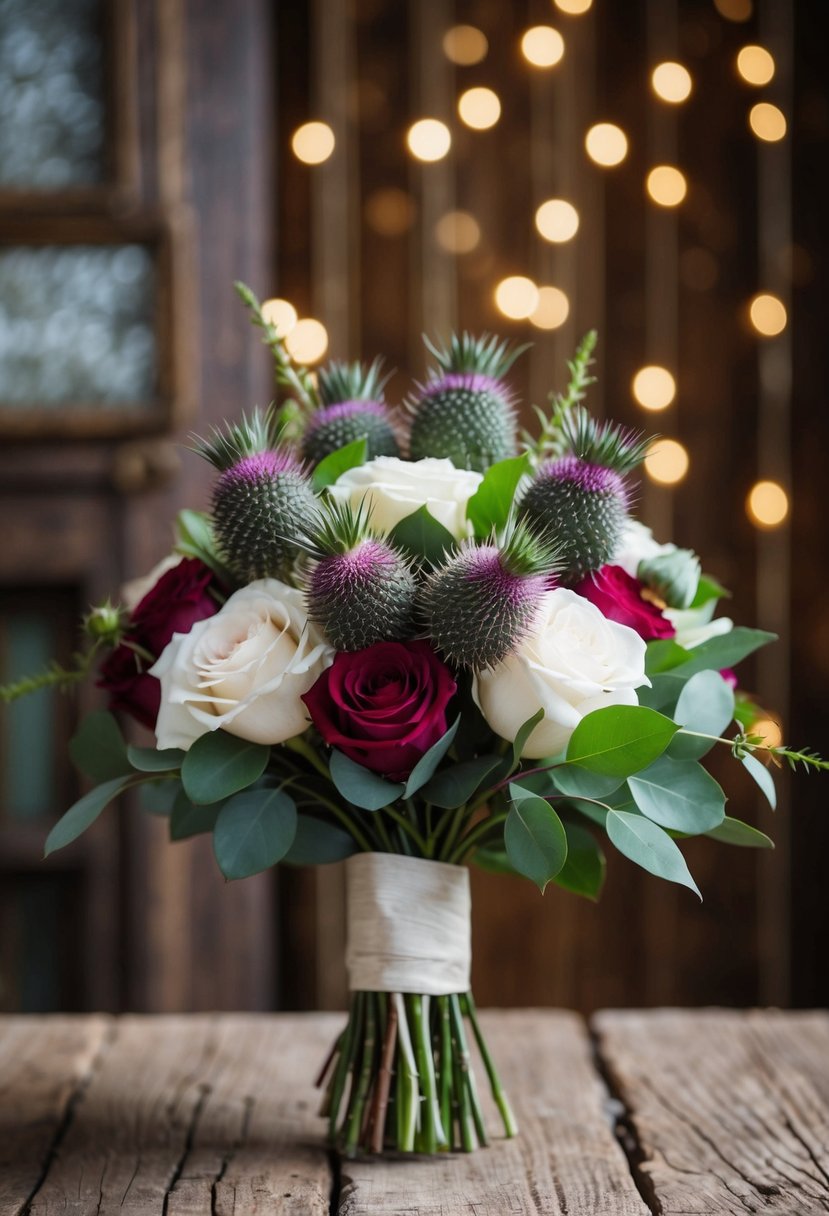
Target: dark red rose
383 707
179 599
620 597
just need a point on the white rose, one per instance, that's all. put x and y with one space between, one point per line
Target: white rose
574 661
695 625
395 488
244 669
636 544
133 592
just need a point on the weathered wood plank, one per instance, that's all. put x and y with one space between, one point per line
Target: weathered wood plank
566 1159
44 1064
193 1112
730 1110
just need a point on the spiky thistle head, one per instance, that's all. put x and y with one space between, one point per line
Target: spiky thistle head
487 355
340 381
481 603
360 589
603 443
353 408
224 447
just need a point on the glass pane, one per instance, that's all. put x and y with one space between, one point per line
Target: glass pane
76 325
52 121
28 725
40 971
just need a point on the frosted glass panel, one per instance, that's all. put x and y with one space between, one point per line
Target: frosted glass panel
52 120
28 725
76 325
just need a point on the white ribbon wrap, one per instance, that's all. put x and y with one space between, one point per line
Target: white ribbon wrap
408 925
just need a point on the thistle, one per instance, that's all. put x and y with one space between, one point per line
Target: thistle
360 589
352 408
261 499
582 497
465 410
481 603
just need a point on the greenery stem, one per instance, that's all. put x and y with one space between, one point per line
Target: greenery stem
501 1100
345 1063
358 1104
409 1091
342 816
301 748
407 827
475 834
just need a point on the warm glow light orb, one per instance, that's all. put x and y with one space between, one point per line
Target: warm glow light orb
313 142
542 46
768 122
606 144
557 220
281 314
479 108
308 340
666 462
465 45
552 309
769 730
574 8
767 314
458 232
516 297
734 10
755 64
767 504
671 82
654 387
390 211
667 185
429 139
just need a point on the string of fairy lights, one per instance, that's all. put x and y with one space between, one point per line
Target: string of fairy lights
517 297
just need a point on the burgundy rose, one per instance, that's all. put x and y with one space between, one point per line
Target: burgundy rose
383 707
173 605
621 597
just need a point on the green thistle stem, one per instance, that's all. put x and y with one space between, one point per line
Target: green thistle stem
409 1095
354 1125
501 1100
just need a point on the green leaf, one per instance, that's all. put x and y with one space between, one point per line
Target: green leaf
535 838
98 749
664 654
707 590
421 535
158 797
524 733
706 704
493 861
674 576
83 814
649 847
490 505
155 760
725 650
336 463
596 811
195 539
620 739
734 831
319 843
581 783
678 794
254 831
763 777
428 762
187 819
360 786
457 784
219 764
583 872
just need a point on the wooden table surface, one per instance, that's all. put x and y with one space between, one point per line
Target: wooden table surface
663 1111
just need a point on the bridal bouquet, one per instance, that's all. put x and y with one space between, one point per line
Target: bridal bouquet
416 641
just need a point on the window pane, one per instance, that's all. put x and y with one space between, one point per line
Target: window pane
28 743
52 121
76 325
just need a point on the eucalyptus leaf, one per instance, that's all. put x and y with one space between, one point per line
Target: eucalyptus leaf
219 764
189 819
645 843
421 535
706 704
455 785
155 760
195 538
663 654
336 463
428 762
535 839
523 734
360 786
620 739
725 650
489 507
493 861
734 831
678 794
158 797
673 575
707 590
254 830
83 814
319 843
594 810
98 750
758 771
583 872
581 783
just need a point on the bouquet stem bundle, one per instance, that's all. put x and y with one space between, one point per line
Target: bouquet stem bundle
400 1076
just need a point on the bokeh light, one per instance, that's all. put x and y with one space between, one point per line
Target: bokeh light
429 139
671 82
465 45
458 232
308 340
479 108
654 387
769 730
734 10
767 504
767 314
768 122
542 46
313 142
552 309
557 220
516 297
281 314
390 211
606 144
755 64
666 462
574 8
667 185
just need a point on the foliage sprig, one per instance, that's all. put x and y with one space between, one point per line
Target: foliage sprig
550 441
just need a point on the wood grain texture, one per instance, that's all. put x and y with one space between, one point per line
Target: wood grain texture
44 1064
566 1159
729 1110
